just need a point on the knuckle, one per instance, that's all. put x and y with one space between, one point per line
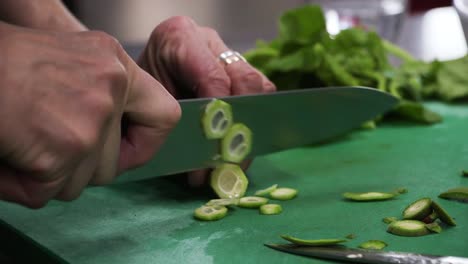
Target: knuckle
216 79
81 140
210 32
252 78
103 38
176 23
44 164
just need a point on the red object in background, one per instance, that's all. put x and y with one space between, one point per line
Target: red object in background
423 5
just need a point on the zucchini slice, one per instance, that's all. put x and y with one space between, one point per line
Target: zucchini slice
210 213
236 144
217 119
368 196
229 181
314 242
373 244
252 201
409 228
418 210
271 209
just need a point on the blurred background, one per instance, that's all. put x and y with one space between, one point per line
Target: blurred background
426 28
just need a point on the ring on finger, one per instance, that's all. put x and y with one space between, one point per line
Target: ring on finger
231 56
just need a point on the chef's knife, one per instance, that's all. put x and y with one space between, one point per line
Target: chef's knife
278 121
363 256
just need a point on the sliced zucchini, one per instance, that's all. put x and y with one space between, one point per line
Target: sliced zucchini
389 220
368 196
252 201
443 215
210 213
236 144
229 181
266 191
430 218
434 227
409 228
459 194
223 202
271 209
314 242
373 244
418 210
283 194
217 119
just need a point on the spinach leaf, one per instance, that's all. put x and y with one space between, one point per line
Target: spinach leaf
304 55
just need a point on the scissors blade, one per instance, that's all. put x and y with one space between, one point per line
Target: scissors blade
366 256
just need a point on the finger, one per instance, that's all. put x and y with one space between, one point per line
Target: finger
79 178
18 187
151 113
245 79
107 167
198 178
190 60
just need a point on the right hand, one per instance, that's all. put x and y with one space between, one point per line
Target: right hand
62 100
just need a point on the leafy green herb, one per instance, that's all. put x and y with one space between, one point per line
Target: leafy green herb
304 55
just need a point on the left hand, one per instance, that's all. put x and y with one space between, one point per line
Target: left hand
184 58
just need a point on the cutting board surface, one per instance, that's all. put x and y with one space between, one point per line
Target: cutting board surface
151 221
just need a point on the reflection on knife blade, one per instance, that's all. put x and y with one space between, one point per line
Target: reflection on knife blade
366 256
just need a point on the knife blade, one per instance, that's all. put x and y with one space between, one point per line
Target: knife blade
278 121
366 256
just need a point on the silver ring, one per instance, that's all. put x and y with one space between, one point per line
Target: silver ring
230 56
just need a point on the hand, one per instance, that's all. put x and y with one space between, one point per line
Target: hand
184 58
62 99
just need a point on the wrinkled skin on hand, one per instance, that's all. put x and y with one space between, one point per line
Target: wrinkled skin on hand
62 99
184 58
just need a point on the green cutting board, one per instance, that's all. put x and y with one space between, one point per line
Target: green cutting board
151 221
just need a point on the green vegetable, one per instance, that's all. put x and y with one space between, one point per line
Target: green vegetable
223 202
252 201
217 119
418 210
210 213
459 194
283 194
304 55
434 227
314 242
271 209
443 215
266 191
373 244
229 181
465 173
430 218
368 196
351 236
409 228
389 220
401 190
236 144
